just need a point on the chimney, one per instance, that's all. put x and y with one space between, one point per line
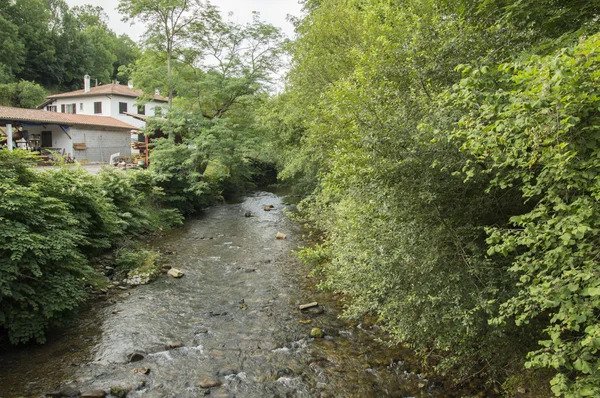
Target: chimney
86 83
130 84
156 91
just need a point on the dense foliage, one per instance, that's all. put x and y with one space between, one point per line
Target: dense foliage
534 125
449 153
205 147
52 223
47 44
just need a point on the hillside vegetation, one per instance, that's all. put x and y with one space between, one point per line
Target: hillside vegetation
449 150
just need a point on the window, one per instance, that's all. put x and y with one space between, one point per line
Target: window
122 107
51 108
62 108
98 107
81 106
69 108
47 139
141 109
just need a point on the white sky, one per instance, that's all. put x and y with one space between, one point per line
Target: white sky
271 11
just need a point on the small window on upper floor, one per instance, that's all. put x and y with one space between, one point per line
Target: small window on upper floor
69 108
141 109
122 107
98 107
51 108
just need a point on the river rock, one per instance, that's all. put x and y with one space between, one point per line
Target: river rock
136 356
174 344
94 394
209 382
175 273
119 391
309 305
269 207
280 236
248 214
142 371
316 333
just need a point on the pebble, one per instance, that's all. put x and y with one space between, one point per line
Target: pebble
175 273
317 333
174 344
209 382
119 391
309 305
143 371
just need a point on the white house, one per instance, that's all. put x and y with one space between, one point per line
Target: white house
83 137
114 100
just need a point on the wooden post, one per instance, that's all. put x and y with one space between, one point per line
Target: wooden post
147 150
9 141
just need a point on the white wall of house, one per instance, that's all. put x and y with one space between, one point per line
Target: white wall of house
100 144
110 107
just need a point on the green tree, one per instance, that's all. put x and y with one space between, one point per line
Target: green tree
23 94
167 23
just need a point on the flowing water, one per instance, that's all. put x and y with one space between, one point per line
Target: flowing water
232 321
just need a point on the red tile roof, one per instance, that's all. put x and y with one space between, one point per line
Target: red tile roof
10 114
108 89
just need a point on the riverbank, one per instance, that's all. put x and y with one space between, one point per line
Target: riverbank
230 326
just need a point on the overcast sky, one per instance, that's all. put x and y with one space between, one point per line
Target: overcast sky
272 11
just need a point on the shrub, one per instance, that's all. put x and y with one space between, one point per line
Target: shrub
534 127
42 270
178 170
51 222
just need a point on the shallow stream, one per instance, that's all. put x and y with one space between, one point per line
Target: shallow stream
232 322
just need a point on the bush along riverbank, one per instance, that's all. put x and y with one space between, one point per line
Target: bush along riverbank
450 152
58 229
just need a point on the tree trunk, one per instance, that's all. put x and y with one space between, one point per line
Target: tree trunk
170 75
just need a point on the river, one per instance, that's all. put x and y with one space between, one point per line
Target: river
230 327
